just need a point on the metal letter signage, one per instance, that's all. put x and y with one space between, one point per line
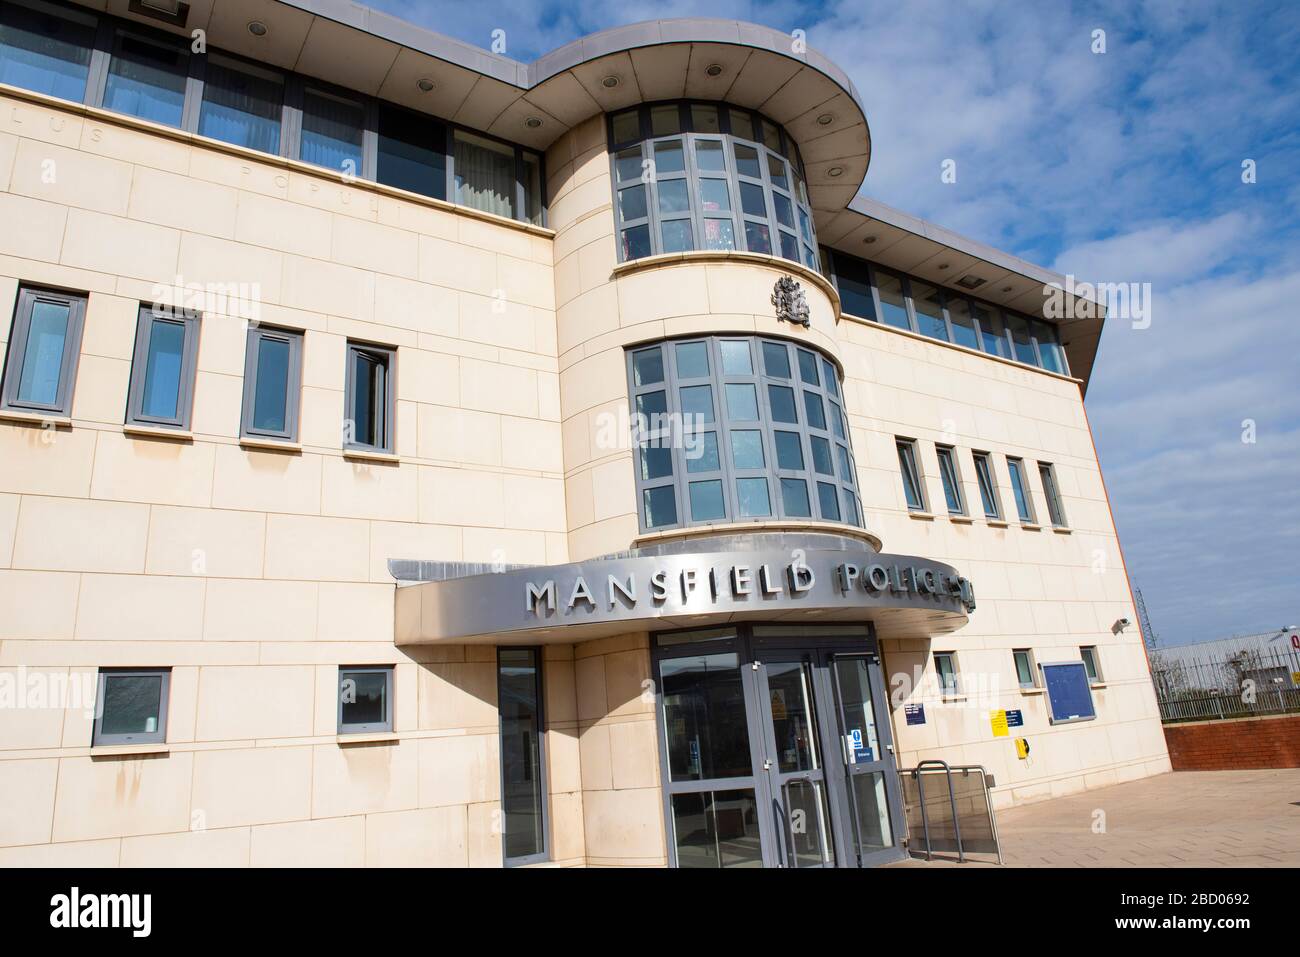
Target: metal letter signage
791 304
638 590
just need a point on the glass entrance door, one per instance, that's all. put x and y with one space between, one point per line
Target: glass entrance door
870 791
794 760
776 749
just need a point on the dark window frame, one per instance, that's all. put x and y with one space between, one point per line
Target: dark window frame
951 476
988 485
1090 655
544 826
16 351
158 736
146 321
947 690
368 727
389 424
909 468
293 398
1020 481
1052 495
1030 664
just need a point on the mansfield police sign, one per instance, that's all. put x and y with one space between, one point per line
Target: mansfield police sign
646 590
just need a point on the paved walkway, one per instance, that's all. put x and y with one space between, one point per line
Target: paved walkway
1180 819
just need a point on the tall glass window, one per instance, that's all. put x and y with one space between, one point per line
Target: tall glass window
893 303
702 181
44 344
740 429
951 479
241 105
147 78
46 49
332 130
913 491
988 488
929 311
1020 489
485 174
163 368
412 152
523 778
272 383
369 398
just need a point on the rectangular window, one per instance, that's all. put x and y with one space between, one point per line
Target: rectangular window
532 187
1020 488
485 174
147 77
272 384
1091 663
365 700
523 779
46 49
412 152
241 104
1047 473
988 488
44 345
131 706
854 284
945 668
163 368
912 488
893 307
1026 675
929 311
369 399
1049 351
332 131
951 480
1022 343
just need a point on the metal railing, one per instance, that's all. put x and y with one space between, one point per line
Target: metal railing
951 809
1237 685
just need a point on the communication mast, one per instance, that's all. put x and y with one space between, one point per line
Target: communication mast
1144 620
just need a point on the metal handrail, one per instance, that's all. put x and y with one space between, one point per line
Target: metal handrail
948 769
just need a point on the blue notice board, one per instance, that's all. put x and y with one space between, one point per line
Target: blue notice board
915 713
1015 719
1069 698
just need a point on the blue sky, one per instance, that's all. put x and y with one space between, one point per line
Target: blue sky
1118 167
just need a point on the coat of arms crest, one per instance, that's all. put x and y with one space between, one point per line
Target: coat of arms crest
788 297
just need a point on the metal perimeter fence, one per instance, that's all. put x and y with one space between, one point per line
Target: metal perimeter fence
1228 685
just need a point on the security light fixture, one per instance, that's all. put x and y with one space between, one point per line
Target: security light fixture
835 171
533 122
425 84
1006 288
826 119
714 69
942 266
257 28
611 81
173 12
869 240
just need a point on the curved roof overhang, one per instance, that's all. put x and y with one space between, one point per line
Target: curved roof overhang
762 69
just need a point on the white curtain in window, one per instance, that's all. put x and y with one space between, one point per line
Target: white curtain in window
485 174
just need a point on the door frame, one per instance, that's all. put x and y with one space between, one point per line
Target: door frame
751 643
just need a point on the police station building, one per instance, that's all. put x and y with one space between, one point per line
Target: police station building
411 455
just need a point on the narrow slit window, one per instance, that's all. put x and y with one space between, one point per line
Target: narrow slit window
951 480
1052 493
988 488
912 489
523 767
1020 488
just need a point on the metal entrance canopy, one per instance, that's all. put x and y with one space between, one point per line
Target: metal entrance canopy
807 577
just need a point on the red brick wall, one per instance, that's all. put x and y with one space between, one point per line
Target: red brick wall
1271 742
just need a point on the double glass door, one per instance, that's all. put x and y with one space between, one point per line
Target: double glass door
777 749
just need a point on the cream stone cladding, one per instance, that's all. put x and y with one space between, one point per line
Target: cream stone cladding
1049 590
255 573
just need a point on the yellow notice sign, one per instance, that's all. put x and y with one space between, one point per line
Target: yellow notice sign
998 719
1295 678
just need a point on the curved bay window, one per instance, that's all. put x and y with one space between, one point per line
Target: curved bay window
738 429
708 176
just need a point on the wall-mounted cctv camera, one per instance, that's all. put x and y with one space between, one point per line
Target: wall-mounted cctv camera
1125 622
